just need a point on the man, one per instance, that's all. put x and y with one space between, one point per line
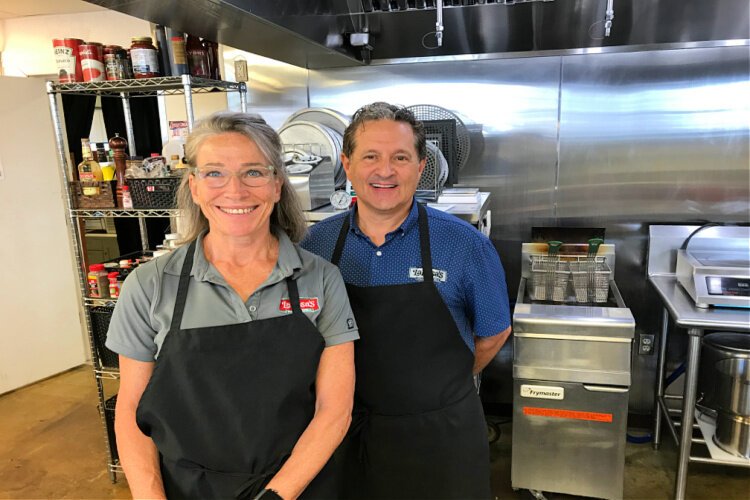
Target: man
419 429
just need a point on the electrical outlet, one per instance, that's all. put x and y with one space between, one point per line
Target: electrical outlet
646 343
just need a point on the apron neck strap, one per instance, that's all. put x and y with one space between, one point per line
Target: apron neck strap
424 243
182 288
340 242
291 285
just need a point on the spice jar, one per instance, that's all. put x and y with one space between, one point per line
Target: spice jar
98 281
114 284
144 57
124 66
125 268
110 62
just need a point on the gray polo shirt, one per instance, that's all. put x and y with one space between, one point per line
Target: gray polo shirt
144 310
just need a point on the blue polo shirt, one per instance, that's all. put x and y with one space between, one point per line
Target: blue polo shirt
466 266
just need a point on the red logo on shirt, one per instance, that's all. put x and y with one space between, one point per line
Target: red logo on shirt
306 304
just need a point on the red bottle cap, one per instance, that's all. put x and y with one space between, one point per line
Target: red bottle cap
96 267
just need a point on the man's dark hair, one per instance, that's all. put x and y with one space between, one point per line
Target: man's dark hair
385 111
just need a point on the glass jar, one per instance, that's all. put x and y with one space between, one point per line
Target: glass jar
115 282
110 61
98 282
144 58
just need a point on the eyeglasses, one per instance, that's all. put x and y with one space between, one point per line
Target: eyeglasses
218 177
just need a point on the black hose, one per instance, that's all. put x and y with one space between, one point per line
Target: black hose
701 228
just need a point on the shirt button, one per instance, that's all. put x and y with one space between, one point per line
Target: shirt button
252 308
378 253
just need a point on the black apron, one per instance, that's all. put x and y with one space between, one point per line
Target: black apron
225 405
418 429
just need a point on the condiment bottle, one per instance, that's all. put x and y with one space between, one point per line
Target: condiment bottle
174 161
105 163
181 167
212 51
160 36
197 57
127 199
118 145
125 268
177 55
114 284
98 281
110 61
124 67
144 58
89 170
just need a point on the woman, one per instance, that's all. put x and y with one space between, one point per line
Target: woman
236 357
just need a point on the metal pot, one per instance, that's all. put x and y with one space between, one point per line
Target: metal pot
725 387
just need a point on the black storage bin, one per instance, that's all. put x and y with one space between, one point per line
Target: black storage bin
109 418
156 192
100 317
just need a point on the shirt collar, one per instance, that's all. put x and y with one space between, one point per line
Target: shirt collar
405 227
289 259
288 263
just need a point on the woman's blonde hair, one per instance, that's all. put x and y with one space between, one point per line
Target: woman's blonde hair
287 213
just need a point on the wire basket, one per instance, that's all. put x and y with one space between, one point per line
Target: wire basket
109 419
100 317
154 192
104 194
550 278
591 279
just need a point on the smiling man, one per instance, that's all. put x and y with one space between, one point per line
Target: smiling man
418 429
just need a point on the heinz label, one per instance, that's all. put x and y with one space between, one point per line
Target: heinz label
306 304
65 61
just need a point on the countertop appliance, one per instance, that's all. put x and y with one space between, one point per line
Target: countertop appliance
715 277
571 374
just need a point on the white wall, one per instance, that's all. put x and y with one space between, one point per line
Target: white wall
40 330
27 47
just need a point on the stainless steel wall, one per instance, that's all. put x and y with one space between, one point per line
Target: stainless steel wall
652 137
275 89
615 140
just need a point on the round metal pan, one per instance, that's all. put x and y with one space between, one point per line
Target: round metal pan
310 137
328 117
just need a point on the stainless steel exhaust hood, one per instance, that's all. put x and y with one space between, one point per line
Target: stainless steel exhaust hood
318 34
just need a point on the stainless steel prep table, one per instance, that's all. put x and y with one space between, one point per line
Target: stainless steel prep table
474 214
681 307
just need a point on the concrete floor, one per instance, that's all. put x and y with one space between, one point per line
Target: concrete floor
52 446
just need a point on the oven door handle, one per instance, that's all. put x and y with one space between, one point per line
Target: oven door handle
605 388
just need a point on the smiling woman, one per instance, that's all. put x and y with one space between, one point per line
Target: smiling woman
262 146
236 356
235 204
